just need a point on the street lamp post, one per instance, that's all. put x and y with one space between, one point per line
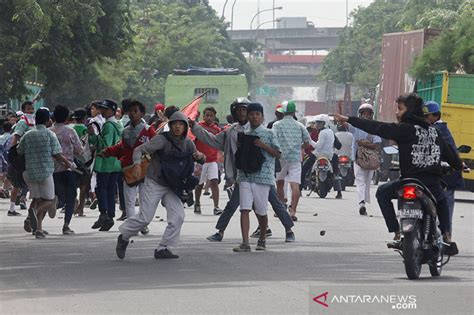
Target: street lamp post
256 14
232 16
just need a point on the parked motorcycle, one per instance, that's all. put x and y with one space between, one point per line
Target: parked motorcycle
321 179
345 171
421 240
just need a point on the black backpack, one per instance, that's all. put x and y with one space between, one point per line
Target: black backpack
248 158
16 160
177 168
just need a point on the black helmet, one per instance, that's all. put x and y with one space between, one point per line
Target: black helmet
238 102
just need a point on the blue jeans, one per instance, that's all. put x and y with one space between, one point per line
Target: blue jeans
65 187
105 190
388 191
234 202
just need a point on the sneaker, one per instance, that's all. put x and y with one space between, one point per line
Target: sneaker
215 237
242 248
290 237
206 193
53 207
94 203
362 210
99 222
107 225
261 245
256 234
145 230
27 225
197 208
33 219
39 235
121 247
164 254
217 211
13 213
23 205
67 231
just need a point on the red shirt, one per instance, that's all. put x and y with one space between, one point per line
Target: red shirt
209 152
314 135
124 153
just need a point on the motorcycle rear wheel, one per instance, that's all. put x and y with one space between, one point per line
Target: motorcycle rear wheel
412 253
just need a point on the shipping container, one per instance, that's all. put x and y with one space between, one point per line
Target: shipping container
398 52
455 94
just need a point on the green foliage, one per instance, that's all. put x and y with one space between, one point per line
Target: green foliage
453 50
62 39
357 58
170 35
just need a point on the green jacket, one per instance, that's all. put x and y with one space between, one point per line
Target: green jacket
110 135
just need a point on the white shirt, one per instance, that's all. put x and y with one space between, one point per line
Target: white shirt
325 144
345 137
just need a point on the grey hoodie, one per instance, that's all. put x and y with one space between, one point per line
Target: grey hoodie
159 143
226 141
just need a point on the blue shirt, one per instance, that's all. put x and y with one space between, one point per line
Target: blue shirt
266 175
291 134
361 135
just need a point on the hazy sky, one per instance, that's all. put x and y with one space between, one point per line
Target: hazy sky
320 12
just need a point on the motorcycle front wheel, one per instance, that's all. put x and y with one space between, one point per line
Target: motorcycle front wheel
412 253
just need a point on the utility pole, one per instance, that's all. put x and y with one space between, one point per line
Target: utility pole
347 13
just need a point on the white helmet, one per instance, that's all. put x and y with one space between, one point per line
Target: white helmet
365 106
323 118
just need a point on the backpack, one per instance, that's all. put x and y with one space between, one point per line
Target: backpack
245 150
177 168
16 160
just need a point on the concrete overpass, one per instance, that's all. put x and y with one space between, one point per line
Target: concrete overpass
291 38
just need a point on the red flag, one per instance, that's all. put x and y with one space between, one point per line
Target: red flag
191 111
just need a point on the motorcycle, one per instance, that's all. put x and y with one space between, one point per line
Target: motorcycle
421 240
345 171
321 178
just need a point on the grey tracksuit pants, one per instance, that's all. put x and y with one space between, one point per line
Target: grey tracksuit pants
150 195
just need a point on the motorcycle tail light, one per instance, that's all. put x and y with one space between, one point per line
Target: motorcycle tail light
408 192
343 159
322 162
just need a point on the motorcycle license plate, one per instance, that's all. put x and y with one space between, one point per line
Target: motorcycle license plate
410 213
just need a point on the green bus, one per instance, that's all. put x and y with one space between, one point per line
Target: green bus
181 89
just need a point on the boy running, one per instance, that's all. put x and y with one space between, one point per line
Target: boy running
156 187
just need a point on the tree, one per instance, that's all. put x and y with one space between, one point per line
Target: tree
453 50
357 57
60 38
170 35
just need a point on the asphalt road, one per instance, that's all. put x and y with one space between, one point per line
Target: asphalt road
349 268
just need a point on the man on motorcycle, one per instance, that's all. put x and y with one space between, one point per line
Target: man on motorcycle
421 151
325 144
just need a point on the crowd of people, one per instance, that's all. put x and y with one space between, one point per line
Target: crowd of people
104 154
